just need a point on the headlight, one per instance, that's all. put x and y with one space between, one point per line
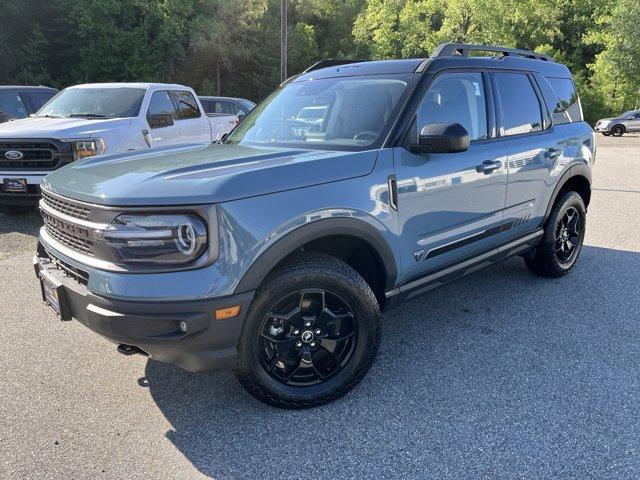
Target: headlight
88 148
171 239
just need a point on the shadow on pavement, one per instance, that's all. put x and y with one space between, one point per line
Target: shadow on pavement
499 374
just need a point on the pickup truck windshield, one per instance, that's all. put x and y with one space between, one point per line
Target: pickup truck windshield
94 103
334 113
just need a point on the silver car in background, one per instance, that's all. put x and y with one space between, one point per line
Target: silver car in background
626 123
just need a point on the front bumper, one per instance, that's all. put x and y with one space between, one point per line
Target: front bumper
602 128
153 327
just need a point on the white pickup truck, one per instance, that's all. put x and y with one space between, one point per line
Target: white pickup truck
98 119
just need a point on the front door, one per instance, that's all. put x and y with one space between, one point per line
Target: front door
161 136
450 205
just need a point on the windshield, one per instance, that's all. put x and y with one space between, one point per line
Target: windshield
94 103
331 113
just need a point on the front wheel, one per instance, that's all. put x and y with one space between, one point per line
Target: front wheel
311 333
617 131
563 237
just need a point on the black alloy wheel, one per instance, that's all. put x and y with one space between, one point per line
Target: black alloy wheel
306 337
310 335
568 232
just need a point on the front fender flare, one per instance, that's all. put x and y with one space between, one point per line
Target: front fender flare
274 254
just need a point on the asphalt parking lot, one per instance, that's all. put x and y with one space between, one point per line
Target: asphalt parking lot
500 375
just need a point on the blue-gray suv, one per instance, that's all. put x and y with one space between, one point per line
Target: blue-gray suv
352 187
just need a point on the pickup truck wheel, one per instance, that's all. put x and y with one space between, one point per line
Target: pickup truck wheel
311 333
562 240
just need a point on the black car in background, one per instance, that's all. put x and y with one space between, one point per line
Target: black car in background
20 102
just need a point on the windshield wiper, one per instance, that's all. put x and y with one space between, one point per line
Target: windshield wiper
88 115
48 116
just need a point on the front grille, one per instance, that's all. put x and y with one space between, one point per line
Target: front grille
36 155
77 274
69 234
68 207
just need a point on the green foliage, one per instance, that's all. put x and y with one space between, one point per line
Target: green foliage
232 46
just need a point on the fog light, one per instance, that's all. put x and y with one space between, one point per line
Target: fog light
182 326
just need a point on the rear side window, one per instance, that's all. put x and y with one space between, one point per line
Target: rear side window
456 98
12 105
520 106
38 99
161 103
567 108
187 105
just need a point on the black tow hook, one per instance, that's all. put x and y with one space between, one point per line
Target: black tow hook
131 350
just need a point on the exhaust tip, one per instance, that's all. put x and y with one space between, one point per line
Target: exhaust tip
131 350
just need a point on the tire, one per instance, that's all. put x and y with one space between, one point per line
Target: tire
306 359
552 257
606 134
617 131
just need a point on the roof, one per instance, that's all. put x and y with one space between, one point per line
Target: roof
446 56
23 88
211 97
144 85
373 67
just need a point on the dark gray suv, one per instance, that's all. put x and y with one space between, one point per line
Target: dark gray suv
354 186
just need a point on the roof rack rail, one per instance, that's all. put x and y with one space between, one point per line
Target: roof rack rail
330 63
463 49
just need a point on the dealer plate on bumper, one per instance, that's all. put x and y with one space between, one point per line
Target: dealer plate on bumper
15 185
53 295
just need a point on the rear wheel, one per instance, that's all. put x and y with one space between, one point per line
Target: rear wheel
617 131
606 134
563 237
311 334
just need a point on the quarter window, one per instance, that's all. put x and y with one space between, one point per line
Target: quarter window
161 103
187 105
567 107
520 106
456 98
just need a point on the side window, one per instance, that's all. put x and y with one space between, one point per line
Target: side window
161 103
226 108
520 106
187 105
568 103
12 105
456 98
208 105
38 99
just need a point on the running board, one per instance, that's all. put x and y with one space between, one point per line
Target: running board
448 274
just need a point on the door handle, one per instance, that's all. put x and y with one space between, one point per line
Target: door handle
553 153
488 166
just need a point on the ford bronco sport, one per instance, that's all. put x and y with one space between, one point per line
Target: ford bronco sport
274 251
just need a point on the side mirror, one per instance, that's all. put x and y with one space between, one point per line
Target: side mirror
159 120
441 138
241 116
4 117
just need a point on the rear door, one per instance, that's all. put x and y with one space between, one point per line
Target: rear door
449 205
535 150
192 124
161 102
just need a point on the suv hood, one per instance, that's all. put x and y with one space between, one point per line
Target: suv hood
203 174
60 128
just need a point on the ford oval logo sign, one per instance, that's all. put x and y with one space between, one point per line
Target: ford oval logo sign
13 155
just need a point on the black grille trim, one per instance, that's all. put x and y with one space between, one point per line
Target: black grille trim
67 233
67 207
38 154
